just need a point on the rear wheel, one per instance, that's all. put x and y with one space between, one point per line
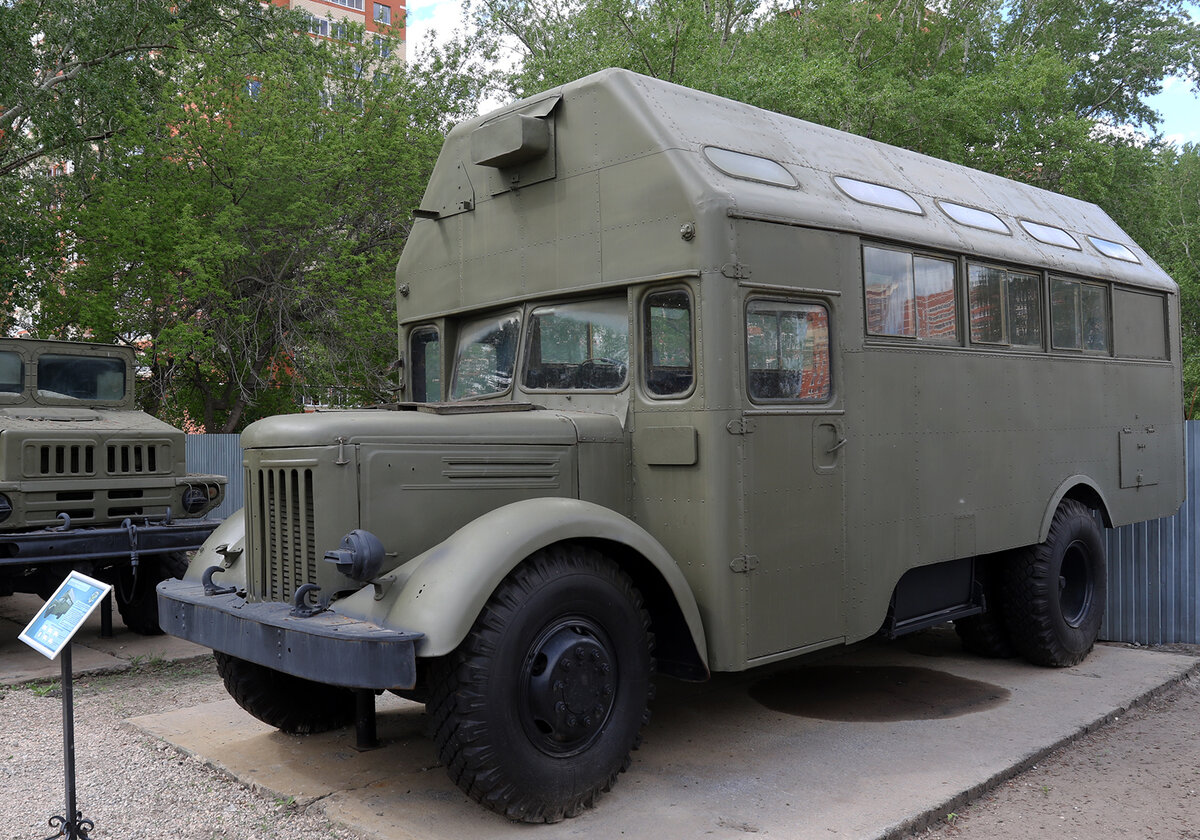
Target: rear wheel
137 600
537 710
293 704
1054 592
985 634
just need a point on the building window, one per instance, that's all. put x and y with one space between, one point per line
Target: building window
787 352
383 47
667 343
349 4
383 14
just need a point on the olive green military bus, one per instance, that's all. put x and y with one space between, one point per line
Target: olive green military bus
694 387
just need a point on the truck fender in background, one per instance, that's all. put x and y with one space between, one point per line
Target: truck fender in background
445 588
1079 487
230 536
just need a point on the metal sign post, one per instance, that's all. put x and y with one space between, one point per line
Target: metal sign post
50 633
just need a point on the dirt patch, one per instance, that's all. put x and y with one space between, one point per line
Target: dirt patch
1138 777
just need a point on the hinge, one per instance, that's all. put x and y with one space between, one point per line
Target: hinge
736 271
740 426
744 563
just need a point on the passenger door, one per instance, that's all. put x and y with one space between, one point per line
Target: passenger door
793 439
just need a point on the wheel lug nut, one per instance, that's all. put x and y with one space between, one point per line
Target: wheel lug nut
579 653
560 707
571 720
566 664
587 721
608 690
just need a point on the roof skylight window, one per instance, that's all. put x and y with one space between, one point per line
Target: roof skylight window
1050 235
1113 249
749 167
974 217
865 192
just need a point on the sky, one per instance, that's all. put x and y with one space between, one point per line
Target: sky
1178 103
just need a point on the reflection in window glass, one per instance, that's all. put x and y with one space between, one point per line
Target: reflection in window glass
1093 314
937 313
667 321
888 284
487 352
986 295
787 351
62 376
578 346
1079 316
1064 314
426 354
1024 310
12 373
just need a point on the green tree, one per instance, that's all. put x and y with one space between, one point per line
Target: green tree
244 231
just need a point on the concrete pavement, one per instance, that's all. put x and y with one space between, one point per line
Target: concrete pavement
90 652
870 744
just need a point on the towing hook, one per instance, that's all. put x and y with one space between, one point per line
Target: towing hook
211 588
66 520
300 605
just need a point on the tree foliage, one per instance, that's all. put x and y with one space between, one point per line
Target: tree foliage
243 230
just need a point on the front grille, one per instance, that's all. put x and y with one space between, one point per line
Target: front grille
132 458
65 459
286 530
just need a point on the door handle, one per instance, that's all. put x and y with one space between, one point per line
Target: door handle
841 442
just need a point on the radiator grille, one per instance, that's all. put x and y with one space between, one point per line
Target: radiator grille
65 459
132 458
287 538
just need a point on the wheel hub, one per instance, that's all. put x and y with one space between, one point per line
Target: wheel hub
570 686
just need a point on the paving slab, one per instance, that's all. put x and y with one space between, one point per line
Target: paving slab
869 744
90 651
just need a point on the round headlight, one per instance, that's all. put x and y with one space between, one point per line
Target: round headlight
195 498
5 507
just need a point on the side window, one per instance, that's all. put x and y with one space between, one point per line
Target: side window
12 373
1079 316
1005 306
909 295
487 354
787 352
669 369
578 346
425 351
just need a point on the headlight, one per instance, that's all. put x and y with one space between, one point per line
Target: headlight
195 498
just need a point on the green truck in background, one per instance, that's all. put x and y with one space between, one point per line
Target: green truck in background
693 387
89 482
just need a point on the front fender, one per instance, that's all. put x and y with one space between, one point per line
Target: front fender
230 536
443 590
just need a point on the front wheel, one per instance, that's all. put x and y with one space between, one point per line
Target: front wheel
292 704
137 600
537 710
1054 592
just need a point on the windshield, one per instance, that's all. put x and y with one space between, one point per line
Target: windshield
85 378
487 354
578 346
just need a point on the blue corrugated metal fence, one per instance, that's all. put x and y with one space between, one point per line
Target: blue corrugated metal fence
1153 578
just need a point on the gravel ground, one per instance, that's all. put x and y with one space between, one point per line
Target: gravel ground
1137 777
131 786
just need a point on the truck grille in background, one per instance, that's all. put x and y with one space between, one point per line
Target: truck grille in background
66 459
285 503
132 459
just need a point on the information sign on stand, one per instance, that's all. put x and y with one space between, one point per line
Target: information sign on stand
50 634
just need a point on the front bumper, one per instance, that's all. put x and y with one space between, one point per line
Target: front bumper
30 548
326 648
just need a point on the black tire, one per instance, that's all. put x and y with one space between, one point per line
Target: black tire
292 704
536 712
1054 592
137 602
986 634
